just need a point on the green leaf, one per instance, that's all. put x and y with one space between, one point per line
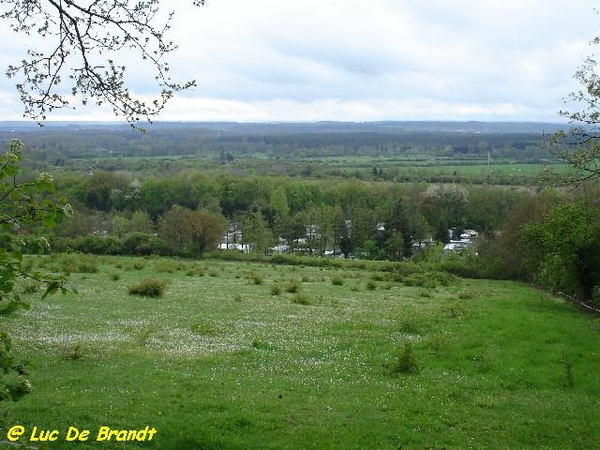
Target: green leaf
51 289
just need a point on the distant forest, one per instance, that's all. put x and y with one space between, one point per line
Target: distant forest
521 141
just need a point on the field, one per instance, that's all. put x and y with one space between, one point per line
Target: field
240 355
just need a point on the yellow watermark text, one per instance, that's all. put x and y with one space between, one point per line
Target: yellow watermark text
74 434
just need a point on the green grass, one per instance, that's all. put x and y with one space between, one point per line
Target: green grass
500 365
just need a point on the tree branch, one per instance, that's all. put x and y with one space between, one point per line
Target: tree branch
99 29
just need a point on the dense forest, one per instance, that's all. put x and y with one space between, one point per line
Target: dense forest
390 191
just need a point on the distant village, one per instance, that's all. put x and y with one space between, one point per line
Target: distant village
234 240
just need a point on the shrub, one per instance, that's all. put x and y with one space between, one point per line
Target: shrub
137 243
292 286
466 295
275 289
406 363
148 288
371 285
74 352
301 299
257 279
165 266
482 360
567 364
409 326
78 264
419 279
87 266
337 281
99 245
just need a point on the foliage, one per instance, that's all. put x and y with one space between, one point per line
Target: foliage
89 44
27 208
256 230
567 363
151 287
502 253
405 362
293 286
302 299
444 207
565 248
191 232
337 280
275 289
580 145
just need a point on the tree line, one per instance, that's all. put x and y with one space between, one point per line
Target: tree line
373 213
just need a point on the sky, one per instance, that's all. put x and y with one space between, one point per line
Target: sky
357 60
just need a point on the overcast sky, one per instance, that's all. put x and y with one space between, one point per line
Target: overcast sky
364 60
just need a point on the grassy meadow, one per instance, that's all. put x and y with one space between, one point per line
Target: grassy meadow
240 355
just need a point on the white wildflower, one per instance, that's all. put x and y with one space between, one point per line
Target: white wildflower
46 177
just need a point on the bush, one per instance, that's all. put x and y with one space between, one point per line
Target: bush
256 278
406 363
337 281
292 286
137 244
78 263
148 288
165 266
100 245
275 289
302 299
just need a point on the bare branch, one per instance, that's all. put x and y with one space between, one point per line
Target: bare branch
89 37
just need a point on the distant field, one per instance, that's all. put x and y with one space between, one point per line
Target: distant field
518 172
253 356
400 168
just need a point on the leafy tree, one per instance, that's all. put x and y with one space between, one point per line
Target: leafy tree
157 196
27 209
97 190
279 206
256 232
239 194
343 233
444 207
502 253
293 230
191 232
324 218
207 228
301 194
140 221
565 246
89 42
173 228
488 207
580 146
